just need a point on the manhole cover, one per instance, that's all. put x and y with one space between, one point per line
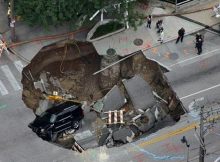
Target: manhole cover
174 56
111 51
138 42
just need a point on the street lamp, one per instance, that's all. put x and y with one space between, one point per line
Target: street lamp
183 140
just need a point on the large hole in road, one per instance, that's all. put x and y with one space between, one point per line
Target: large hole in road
120 104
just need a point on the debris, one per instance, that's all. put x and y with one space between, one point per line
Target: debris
77 147
124 135
97 106
104 135
113 95
40 85
115 117
139 92
157 96
31 75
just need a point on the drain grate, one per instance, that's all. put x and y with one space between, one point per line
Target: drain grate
111 51
138 42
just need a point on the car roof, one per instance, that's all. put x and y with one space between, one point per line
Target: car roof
62 107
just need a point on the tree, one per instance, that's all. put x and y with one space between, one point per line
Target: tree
54 12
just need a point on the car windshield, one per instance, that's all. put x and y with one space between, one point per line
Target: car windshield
47 117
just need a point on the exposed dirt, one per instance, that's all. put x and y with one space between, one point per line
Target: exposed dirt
74 64
73 70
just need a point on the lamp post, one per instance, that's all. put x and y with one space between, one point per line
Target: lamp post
183 140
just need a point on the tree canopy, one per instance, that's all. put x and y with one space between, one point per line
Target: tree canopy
54 12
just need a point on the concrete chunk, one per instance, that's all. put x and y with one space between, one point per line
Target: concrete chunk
113 100
140 92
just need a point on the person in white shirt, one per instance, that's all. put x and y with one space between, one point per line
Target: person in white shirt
161 35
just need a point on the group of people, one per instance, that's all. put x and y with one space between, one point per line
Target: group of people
198 42
181 32
159 26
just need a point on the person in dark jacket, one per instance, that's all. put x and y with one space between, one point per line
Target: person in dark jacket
181 34
159 25
149 20
199 43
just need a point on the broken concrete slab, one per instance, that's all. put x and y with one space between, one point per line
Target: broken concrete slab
97 106
38 85
86 139
113 100
44 80
139 92
124 135
104 135
158 111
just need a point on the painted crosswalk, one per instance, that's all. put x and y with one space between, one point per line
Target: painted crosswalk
14 83
19 65
8 82
3 89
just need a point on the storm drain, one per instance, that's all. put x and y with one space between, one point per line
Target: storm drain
111 51
138 42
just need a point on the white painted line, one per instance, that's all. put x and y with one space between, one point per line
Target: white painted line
200 91
194 57
3 90
19 65
217 160
10 77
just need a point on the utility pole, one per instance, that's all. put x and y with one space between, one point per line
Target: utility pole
202 148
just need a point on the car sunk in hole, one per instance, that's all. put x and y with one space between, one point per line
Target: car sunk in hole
64 117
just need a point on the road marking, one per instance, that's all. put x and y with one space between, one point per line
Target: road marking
168 135
157 157
10 77
19 65
3 90
207 89
176 132
218 159
193 57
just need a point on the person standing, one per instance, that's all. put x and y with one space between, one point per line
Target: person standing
159 25
161 35
149 20
199 43
181 34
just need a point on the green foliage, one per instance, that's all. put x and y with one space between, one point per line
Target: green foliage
107 28
55 12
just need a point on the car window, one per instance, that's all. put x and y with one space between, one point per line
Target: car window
45 117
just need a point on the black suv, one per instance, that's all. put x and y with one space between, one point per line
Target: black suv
56 120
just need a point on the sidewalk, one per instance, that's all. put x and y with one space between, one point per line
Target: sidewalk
124 42
172 55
